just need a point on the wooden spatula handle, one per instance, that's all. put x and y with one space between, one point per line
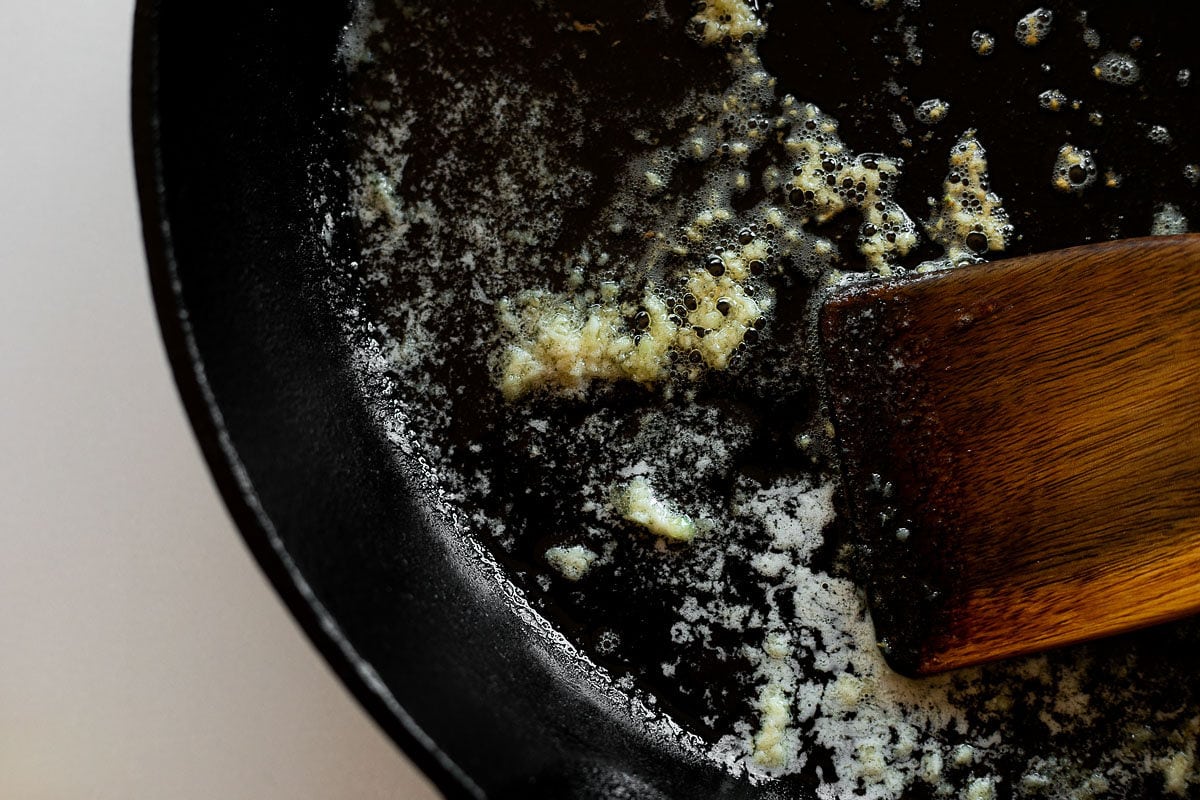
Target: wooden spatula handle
1021 443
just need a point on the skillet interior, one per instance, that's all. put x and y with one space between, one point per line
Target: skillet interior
224 154
230 112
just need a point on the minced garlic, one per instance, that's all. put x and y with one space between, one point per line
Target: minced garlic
571 562
637 503
774 705
567 344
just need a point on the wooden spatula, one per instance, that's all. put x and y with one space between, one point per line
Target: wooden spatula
1021 448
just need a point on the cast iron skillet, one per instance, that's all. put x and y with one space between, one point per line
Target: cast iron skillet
230 109
232 106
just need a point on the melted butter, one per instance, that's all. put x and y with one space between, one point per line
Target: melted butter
1168 221
931 112
823 688
1119 69
562 343
969 219
1052 100
983 43
718 20
1034 27
1074 169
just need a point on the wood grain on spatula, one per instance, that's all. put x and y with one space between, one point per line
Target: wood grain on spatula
1021 448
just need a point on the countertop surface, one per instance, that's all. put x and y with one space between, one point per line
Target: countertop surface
142 652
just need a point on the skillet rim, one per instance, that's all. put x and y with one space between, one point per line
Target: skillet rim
211 434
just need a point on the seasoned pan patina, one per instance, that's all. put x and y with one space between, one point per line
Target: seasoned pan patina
372 250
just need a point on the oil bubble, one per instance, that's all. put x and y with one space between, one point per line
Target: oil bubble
1074 169
931 112
1034 27
1052 100
983 43
1158 134
1168 221
1119 69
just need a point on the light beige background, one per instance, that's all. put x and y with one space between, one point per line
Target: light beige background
142 654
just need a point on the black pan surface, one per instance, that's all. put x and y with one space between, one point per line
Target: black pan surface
230 111
237 110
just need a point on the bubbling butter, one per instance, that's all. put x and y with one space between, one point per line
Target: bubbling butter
562 343
1052 100
677 272
931 112
1034 27
983 43
723 20
1119 69
1074 169
969 220
1168 221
